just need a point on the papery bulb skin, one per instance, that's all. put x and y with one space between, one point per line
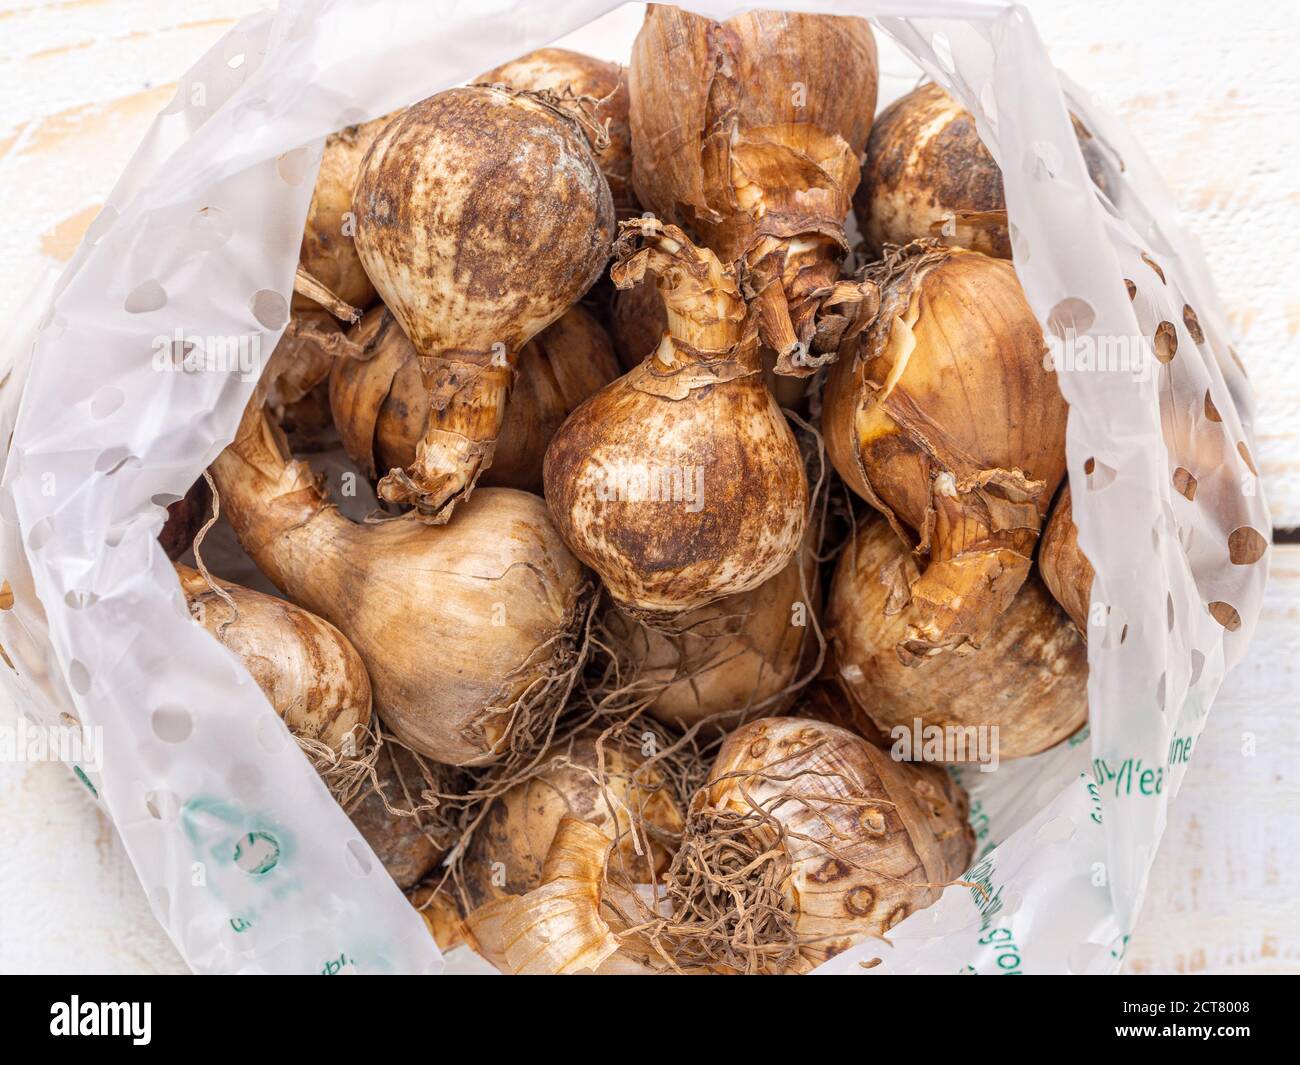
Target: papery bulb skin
1065 568
481 218
944 415
1024 690
746 653
680 482
863 841
637 322
467 630
294 386
929 176
604 86
328 252
747 134
598 783
311 675
381 407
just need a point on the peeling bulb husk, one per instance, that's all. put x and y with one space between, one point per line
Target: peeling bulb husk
748 133
1023 691
382 409
944 415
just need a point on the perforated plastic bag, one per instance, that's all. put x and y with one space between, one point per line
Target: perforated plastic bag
248 863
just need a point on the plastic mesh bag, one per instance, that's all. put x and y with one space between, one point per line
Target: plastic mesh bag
247 861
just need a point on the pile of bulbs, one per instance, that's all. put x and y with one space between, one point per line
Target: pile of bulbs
684 504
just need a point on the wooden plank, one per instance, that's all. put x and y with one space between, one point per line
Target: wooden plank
1222 893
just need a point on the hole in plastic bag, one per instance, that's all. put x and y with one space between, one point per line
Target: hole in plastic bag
269 308
1166 342
113 459
6 597
210 228
1198 664
1116 628
146 296
172 724
1056 830
1154 266
272 733
1098 474
1185 482
1071 317
1169 611
257 853
40 535
1225 614
1244 452
165 499
102 223
163 805
293 166
1193 325
1161 686
358 861
108 400
1132 289
1245 546
235 61
79 677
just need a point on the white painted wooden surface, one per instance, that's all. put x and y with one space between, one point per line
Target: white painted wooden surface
1210 93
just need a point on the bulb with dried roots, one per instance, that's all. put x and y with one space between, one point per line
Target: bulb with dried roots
681 482
945 417
1024 690
381 408
481 218
607 784
393 816
746 654
470 632
807 840
747 133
